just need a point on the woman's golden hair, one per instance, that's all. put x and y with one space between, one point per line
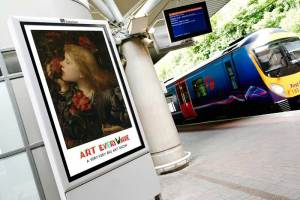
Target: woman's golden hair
89 67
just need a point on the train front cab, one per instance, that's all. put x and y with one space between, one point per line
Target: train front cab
278 63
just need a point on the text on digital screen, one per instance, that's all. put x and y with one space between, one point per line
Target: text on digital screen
187 21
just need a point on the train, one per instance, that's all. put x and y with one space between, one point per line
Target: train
257 74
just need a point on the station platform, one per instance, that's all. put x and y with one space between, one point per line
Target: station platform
244 159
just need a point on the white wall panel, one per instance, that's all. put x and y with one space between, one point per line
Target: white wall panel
38 8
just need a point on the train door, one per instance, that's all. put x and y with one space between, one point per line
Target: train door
229 66
185 102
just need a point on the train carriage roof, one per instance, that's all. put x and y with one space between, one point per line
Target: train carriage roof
262 36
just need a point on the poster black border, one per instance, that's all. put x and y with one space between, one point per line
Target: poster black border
194 5
101 165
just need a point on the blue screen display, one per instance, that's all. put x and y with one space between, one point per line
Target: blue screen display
183 23
187 21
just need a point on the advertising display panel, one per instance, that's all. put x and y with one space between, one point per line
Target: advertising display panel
81 98
187 21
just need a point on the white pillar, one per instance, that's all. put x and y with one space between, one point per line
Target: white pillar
114 9
159 127
104 9
147 7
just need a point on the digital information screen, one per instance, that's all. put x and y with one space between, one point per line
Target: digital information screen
187 21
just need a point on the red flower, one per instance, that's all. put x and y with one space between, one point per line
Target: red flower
86 42
80 102
73 110
55 65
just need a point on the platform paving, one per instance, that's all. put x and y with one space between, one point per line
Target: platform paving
247 159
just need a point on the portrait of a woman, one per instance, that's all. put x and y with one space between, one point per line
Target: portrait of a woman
85 94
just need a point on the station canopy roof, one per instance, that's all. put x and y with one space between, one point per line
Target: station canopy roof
128 7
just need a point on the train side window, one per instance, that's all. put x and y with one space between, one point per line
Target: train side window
182 93
171 100
185 93
199 88
231 74
179 95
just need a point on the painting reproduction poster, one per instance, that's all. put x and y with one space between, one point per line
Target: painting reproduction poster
85 94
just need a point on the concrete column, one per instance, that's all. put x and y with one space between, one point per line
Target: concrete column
147 7
165 147
115 10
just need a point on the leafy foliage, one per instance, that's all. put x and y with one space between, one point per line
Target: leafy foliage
235 20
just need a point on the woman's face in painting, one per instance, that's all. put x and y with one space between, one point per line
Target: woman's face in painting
70 69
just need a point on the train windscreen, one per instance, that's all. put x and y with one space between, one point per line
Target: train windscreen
280 58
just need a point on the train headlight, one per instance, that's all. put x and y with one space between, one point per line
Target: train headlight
277 89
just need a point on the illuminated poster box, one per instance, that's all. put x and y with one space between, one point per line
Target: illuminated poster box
81 99
187 21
